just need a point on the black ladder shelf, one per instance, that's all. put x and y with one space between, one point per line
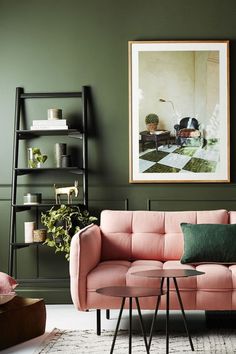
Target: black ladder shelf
20 134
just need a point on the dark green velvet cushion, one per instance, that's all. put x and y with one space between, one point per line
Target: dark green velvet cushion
214 243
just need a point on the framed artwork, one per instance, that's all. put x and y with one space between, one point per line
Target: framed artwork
179 111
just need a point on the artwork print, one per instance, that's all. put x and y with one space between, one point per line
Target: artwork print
179 111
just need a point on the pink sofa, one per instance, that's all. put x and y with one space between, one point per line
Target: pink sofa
131 241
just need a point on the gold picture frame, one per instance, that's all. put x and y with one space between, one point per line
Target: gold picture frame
183 86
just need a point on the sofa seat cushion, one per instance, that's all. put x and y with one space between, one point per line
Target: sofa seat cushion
108 273
217 277
139 266
232 268
212 290
185 284
119 273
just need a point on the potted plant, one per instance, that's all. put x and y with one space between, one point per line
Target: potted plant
152 121
62 223
36 158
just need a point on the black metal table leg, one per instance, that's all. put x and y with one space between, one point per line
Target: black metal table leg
142 325
98 322
153 321
130 325
155 314
169 274
117 325
167 313
130 292
183 313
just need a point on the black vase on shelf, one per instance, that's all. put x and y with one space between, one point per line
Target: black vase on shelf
60 150
66 161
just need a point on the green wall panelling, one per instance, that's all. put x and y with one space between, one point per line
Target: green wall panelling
52 265
99 205
4 235
86 43
57 294
25 257
174 205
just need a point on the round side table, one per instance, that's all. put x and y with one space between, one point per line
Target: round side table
168 274
130 292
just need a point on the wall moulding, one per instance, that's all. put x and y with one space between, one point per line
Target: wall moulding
186 204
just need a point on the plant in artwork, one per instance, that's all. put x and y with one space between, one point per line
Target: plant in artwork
62 223
152 121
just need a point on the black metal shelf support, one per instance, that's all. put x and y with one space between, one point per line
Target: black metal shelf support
26 171
20 134
51 94
30 134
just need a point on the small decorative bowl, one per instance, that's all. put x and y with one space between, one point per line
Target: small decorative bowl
4 298
32 198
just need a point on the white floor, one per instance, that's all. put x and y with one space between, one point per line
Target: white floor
66 317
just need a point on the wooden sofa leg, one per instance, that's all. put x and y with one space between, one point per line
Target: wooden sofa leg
98 322
107 314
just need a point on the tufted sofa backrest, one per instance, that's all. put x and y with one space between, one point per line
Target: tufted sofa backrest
156 235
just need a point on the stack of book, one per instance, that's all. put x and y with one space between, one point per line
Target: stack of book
49 124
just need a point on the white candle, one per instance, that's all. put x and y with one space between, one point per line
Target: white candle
29 231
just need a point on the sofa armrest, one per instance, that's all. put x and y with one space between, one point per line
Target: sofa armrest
85 254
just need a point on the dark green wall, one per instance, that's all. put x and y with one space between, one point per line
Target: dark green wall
60 45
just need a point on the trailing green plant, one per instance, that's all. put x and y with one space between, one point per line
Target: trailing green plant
62 223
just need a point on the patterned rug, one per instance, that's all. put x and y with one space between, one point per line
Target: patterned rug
179 159
81 342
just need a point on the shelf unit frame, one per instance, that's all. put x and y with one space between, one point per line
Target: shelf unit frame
19 134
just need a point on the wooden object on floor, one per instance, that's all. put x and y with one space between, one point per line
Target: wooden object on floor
21 319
